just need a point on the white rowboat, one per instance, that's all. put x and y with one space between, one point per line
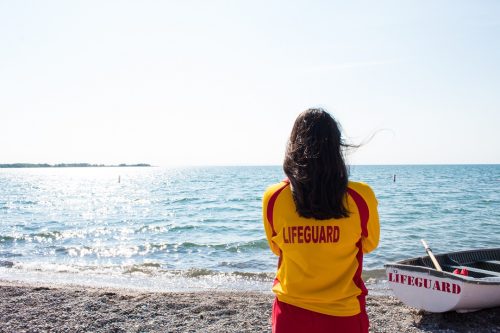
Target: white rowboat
418 284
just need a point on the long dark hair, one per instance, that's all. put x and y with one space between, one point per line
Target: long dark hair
314 164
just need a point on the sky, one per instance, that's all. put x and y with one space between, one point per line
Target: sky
221 82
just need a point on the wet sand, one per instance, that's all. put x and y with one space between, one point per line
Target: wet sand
45 308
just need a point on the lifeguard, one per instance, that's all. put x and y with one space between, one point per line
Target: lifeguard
319 224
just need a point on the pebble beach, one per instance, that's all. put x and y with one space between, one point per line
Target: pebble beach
54 308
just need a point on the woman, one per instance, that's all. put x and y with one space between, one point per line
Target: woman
319 224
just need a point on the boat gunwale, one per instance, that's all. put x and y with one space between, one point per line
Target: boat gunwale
402 264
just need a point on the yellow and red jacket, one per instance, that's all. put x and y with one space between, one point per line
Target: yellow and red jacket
320 261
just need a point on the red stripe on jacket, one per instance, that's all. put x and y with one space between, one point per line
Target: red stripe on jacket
270 219
270 206
364 215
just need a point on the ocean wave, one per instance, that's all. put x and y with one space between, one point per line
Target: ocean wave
9 254
244 264
181 228
8 239
224 209
25 202
180 200
260 244
196 272
202 273
6 263
240 199
52 235
261 276
150 228
47 236
229 247
149 268
121 250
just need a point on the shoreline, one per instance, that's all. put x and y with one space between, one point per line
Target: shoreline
153 279
42 307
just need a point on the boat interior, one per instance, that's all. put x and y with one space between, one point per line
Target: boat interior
478 263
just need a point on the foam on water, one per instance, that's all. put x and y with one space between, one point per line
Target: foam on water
138 277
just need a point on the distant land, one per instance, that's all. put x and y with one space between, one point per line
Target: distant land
69 165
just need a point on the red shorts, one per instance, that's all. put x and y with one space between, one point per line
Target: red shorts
292 319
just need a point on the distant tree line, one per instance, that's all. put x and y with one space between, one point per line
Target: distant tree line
68 165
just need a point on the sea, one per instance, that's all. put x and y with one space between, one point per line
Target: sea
200 228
